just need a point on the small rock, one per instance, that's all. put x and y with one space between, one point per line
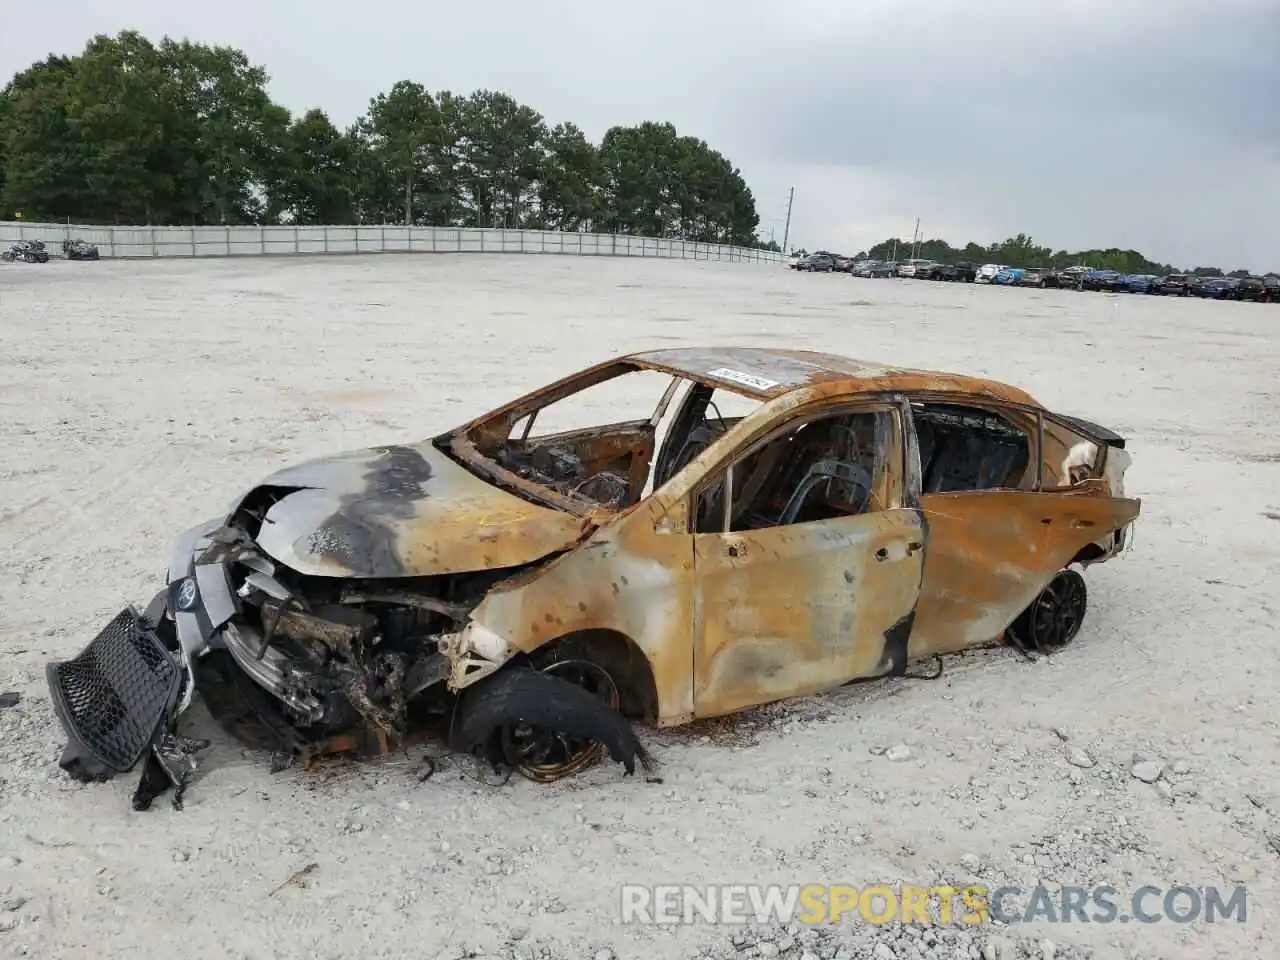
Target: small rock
1078 758
181 856
971 862
1165 789
1047 950
883 952
878 751
605 954
1148 771
8 863
10 699
786 943
1061 734
1017 791
997 948
767 949
898 752
14 905
1181 767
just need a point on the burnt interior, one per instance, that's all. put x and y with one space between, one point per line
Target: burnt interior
821 470
965 448
610 465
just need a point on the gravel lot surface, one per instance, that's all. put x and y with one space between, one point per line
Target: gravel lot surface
138 398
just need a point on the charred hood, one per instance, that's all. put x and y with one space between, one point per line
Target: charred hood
399 511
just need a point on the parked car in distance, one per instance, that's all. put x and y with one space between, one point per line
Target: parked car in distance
863 268
1008 276
1033 277
912 267
885 270
987 273
1174 285
1214 288
1272 283
1139 282
1252 289
1100 279
79 250
1071 277
818 263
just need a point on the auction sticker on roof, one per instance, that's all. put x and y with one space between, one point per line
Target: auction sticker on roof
746 379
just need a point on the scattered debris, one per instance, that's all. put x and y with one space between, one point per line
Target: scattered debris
1148 771
898 752
1079 758
10 699
297 878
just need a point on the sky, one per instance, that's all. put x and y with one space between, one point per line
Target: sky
1145 124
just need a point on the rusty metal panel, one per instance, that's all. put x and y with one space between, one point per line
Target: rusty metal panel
404 511
631 577
766 373
796 609
991 552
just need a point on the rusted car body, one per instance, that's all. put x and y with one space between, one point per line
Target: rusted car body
535 589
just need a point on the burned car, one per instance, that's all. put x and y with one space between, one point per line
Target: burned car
763 524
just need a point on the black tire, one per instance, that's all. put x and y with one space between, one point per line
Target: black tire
518 694
29 257
1054 617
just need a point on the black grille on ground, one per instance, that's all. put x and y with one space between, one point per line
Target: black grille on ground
112 697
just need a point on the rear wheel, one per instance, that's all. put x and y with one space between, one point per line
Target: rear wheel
1054 618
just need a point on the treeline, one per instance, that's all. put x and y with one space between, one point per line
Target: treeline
183 133
1022 251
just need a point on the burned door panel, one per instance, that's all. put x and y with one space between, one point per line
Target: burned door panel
991 552
791 610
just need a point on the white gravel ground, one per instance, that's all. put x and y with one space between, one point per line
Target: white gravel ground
139 398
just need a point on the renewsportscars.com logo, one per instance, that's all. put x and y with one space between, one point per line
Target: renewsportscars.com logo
940 904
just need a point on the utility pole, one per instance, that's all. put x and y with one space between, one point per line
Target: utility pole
786 231
915 241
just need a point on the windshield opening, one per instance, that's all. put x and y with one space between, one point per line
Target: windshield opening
606 438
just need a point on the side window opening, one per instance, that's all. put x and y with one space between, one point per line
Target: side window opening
1069 457
823 469
968 448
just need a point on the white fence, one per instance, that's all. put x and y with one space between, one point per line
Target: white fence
137 242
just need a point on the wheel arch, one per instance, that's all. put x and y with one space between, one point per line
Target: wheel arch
617 653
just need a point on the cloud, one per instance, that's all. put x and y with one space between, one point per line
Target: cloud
1142 124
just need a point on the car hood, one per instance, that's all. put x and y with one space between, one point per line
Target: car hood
403 511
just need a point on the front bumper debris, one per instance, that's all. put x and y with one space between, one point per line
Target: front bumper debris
114 696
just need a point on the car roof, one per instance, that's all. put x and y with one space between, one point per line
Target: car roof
765 373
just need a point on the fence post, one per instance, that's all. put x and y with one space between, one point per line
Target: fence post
522 241
21 235
543 236
193 241
482 239
296 247
262 241
228 231
153 241
382 238
326 238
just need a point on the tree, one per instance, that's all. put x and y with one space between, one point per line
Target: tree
569 188
131 131
318 180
